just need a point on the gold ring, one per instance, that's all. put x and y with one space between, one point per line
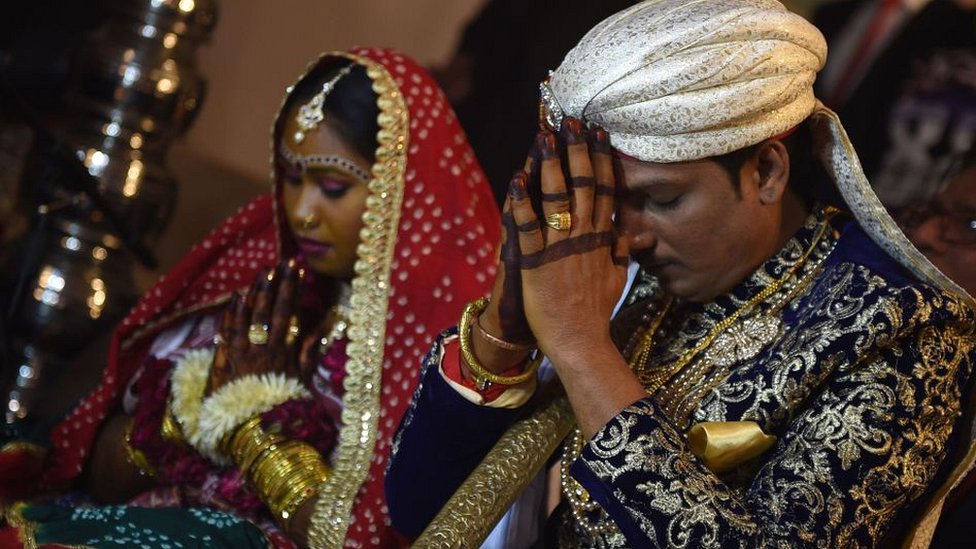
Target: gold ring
293 330
561 221
257 334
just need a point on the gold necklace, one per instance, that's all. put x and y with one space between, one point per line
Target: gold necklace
580 503
341 313
728 321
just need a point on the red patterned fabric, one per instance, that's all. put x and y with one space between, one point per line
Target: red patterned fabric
445 255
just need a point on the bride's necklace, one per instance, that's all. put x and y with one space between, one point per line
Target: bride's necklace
341 312
725 344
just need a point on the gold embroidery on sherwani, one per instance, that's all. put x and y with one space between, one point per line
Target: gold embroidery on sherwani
690 367
845 390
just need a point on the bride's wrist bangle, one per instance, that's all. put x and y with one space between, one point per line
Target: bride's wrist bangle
483 378
499 342
135 456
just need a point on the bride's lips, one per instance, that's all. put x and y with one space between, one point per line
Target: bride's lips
313 248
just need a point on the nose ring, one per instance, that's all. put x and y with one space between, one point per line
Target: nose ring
309 221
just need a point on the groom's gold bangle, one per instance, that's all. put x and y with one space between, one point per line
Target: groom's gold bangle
482 377
499 342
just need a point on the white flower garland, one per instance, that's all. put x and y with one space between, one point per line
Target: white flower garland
187 384
205 421
237 402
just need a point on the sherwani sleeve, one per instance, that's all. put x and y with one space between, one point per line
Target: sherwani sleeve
442 438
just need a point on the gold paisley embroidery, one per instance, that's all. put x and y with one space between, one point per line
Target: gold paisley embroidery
888 424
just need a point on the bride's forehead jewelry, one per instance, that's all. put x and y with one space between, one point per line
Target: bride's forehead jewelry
304 162
311 114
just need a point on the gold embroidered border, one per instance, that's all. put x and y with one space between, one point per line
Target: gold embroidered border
35 450
920 534
484 497
367 331
837 154
25 528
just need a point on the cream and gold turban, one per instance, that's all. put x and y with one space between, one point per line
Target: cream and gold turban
676 80
680 80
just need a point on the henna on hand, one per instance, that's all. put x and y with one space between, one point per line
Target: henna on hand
579 269
270 301
576 245
582 182
512 321
601 157
599 141
556 197
573 132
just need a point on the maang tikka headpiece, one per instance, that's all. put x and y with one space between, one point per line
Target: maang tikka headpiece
311 114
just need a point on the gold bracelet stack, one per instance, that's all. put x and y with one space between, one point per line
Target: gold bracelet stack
285 473
134 456
483 378
170 428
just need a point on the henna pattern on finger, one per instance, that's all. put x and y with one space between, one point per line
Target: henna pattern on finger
555 197
605 190
577 245
242 318
511 310
227 330
621 261
572 131
557 204
516 190
529 226
600 141
582 182
545 143
510 252
283 307
263 304
532 161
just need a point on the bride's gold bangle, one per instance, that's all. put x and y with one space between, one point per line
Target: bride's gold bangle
482 377
135 456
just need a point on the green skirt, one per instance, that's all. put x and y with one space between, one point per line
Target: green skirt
129 526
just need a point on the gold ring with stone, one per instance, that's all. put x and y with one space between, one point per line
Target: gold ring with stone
561 221
257 334
293 330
